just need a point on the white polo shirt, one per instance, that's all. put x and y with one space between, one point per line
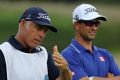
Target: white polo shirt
25 66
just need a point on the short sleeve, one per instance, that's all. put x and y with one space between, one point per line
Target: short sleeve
3 73
53 71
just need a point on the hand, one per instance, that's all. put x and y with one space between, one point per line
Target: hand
110 75
60 62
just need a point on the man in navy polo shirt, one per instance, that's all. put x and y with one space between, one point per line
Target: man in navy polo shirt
86 61
22 57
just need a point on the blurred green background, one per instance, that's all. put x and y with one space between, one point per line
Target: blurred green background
61 16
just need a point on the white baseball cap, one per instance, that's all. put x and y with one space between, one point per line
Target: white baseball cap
87 12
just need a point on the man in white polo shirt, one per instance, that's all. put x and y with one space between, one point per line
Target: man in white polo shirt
22 57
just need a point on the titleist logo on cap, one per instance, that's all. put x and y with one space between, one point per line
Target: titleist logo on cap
44 16
90 10
40 15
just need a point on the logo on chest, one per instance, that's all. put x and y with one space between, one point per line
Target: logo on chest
102 59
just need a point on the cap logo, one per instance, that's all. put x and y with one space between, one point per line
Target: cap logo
90 10
77 17
28 17
44 16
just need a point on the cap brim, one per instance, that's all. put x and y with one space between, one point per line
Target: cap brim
103 18
52 28
94 15
100 17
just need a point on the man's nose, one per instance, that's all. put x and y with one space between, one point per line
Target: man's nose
94 26
41 33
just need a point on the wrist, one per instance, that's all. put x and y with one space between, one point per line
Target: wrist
91 78
64 70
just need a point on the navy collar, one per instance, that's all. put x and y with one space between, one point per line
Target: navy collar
81 48
12 40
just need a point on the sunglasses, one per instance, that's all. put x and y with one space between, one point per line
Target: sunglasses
90 23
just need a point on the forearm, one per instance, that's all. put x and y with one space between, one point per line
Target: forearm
100 78
112 78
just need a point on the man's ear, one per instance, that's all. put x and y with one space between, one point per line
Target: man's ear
76 25
22 24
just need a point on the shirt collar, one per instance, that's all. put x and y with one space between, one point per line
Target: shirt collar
81 48
12 40
95 49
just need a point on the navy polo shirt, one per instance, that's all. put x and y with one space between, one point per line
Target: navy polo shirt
84 63
53 71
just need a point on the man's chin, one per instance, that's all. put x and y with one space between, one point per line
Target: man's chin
35 46
90 39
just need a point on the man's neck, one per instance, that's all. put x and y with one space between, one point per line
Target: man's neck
21 41
84 43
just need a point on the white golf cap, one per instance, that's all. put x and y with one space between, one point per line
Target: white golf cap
87 12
